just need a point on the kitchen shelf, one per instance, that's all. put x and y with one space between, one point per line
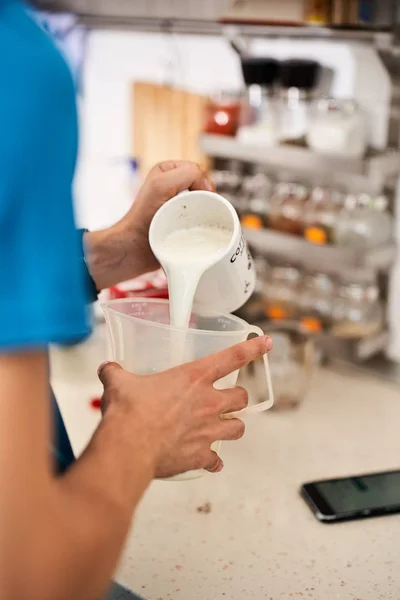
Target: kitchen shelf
345 350
329 259
126 14
354 350
377 167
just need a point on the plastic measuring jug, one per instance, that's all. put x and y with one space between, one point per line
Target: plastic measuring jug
226 284
142 342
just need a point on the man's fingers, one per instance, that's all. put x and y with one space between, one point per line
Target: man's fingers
213 463
106 371
234 399
174 177
226 362
230 430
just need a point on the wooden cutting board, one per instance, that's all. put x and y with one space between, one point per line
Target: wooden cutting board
167 123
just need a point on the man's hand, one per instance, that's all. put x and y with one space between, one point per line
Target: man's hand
178 414
123 252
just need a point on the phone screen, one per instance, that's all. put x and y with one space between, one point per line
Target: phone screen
357 494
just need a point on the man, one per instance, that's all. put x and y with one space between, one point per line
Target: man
62 527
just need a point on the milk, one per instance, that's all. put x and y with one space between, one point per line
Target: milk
187 253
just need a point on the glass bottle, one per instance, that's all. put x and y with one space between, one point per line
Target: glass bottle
286 208
222 114
337 127
281 294
298 79
358 311
321 215
292 361
316 303
256 191
228 182
364 223
259 122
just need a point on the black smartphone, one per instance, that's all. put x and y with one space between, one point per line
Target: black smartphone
350 498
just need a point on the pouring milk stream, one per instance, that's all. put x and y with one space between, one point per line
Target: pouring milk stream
198 241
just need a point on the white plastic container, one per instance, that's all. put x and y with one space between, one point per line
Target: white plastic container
143 342
338 127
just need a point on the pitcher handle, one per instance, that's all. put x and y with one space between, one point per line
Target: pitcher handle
267 404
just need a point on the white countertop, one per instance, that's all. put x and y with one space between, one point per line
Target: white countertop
260 540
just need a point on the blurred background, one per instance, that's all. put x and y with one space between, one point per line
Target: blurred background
293 106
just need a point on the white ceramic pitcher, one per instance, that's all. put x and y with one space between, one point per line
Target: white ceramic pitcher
228 283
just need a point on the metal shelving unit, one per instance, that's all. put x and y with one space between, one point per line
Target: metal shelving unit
203 18
332 259
378 168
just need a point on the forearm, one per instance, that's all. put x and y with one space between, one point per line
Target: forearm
114 255
64 535
95 502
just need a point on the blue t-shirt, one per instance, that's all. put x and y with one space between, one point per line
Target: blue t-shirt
42 279
43 295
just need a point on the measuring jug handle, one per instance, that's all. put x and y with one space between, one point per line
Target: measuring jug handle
267 404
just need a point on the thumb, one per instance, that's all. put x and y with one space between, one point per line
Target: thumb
106 372
184 176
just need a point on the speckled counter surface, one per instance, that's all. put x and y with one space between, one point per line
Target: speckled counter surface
259 539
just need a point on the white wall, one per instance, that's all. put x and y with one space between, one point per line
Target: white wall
114 62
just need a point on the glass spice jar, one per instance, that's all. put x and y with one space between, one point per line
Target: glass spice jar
321 216
259 123
281 294
256 190
222 114
298 79
292 362
364 223
286 208
337 127
228 182
316 303
358 311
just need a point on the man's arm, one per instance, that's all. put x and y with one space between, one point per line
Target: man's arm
61 538
122 252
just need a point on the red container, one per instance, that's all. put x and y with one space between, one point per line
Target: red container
222 116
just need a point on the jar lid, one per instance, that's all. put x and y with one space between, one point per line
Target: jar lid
258 70
364 201
320 194
295 190
320 281
353 291
257 184
345 106
290 274
350 202
299 73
